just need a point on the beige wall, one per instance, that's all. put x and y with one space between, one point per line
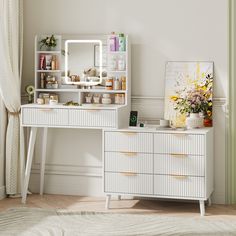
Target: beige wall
161 30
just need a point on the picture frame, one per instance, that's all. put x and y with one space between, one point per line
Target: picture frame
188 87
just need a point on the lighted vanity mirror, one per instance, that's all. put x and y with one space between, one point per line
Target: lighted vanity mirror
83 64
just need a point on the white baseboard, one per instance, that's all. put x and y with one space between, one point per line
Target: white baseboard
68 185
218 199
2 192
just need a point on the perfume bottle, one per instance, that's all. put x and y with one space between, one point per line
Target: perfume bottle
112 42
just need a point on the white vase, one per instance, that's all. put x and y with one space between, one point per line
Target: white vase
194 120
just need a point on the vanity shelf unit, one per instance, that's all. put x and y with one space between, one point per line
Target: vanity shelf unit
110 115
39 52
159 164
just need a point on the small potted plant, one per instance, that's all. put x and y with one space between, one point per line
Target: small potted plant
49 42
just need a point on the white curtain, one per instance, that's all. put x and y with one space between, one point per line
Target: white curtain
11 31
3 125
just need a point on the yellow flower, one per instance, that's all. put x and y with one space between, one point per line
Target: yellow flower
174 98
209 113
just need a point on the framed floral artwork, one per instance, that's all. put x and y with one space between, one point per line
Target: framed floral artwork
188 89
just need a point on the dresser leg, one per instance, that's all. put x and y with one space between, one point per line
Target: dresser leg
43 159
202 207
32 140
108 198
209 201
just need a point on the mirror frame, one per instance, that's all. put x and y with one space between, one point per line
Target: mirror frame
67 42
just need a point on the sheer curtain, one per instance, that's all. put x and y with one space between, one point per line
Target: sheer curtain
3 125
11 31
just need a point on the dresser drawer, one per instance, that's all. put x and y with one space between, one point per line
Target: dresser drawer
179 186
128 183
179 164
129 161
93 118
129 142
44 116
179 143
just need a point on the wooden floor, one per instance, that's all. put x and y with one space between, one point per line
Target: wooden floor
76 203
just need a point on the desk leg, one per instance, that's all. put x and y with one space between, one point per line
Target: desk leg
43 159
202 207
32 140
108 199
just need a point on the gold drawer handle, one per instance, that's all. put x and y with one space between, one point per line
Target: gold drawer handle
179 176
179 155
129 154
45 109
128 173
129 133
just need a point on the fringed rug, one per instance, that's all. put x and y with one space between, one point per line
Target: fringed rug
40 222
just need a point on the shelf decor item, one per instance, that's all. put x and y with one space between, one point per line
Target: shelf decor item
49 42
188 90
194 120
29 89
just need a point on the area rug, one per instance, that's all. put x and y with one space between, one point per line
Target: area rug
39 222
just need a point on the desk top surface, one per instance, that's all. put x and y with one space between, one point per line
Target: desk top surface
80 107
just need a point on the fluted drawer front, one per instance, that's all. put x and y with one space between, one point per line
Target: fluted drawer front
179 164
179 186
128 183
129 142
44 116
93 118
129 161
179 143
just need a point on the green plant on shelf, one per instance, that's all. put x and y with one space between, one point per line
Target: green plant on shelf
49 42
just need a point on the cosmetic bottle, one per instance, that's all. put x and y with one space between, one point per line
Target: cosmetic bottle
112 42
121 42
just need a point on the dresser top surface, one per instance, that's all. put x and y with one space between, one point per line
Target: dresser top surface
158 130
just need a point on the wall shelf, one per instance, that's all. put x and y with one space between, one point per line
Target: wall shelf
49 52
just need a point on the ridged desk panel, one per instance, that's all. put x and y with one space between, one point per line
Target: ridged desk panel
179 164
44 116
125 183
129 142
179 143
93 118
179 186
128 161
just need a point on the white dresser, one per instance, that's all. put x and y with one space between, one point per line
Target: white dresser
159 164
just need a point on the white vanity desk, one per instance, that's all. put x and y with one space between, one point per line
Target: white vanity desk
60 116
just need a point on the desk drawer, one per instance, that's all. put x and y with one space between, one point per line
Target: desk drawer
128 183
179 164
179 143
129 161
129 142
179 186
93 118
44 116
